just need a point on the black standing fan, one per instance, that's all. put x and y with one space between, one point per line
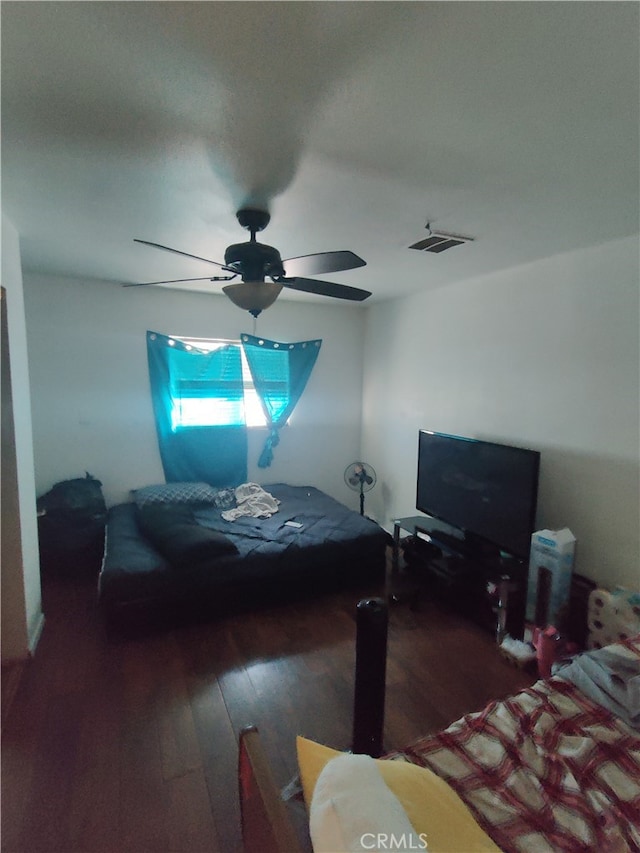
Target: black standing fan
361 477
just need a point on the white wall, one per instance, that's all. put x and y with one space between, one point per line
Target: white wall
543 356
90 386
22 618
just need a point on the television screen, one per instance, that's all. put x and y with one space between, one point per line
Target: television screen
485 489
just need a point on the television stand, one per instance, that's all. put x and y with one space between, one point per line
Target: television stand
424 528
482 586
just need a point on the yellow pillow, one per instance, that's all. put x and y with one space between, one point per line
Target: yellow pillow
433 808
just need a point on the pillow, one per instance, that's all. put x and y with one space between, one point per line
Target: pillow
183 493
352 808
176 534
436 812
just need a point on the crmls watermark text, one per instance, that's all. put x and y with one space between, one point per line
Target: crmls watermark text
389 841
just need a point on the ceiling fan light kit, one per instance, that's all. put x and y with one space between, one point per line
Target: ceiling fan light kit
253 296
254 262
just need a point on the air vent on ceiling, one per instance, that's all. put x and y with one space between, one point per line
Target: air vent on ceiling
440 241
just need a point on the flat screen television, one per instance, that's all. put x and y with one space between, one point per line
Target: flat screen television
488 491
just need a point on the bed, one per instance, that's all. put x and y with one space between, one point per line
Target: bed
553 768
172 548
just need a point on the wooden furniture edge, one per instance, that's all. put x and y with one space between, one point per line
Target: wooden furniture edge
266 826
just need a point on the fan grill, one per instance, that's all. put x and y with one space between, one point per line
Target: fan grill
361 477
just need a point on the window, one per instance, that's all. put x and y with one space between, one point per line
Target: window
180 377
193 407
206 392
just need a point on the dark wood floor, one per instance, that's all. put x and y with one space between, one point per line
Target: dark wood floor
131 745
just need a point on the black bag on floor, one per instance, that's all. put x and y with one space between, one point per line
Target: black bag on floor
71 523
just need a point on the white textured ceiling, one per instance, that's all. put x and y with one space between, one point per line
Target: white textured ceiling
355 122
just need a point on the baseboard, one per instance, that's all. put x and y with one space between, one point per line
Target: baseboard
35 632
11 676
13 670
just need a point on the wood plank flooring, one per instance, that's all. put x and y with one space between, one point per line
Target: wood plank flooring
131 744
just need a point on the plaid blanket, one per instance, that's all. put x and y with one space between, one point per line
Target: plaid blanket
545 770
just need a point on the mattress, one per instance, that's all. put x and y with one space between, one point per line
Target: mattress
332 546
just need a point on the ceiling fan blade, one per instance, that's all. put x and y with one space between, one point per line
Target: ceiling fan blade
180 280
322 263
178 252
326 288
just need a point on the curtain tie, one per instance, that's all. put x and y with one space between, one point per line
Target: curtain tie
273 440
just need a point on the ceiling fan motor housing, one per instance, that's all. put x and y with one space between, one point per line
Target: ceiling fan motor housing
253 219
253 261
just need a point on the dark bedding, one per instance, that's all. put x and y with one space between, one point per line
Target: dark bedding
334 546
177 534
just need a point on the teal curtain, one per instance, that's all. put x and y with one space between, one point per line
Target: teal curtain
198 403
280 372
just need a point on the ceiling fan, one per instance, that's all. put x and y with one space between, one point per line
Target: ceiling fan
254 262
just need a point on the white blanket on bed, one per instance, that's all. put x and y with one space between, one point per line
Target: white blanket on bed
252 500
